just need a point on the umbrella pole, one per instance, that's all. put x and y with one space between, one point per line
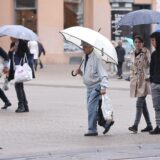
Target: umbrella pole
75 74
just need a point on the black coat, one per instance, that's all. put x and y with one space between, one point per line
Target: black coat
155 67
16 57
120 53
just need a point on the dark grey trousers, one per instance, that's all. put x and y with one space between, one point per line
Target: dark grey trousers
22 100
141 108
155 88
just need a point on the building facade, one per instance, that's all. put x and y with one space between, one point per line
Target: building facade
48 17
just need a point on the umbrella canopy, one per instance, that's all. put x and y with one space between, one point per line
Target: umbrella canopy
18 31
103 47
143 16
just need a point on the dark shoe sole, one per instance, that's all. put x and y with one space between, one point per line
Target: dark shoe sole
146 130
154 133
91 134
132 130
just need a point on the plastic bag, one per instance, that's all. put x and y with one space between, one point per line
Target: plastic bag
107 109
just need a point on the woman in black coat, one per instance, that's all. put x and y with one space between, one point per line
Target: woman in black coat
17 52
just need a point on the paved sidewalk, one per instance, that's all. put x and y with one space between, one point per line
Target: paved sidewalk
54 127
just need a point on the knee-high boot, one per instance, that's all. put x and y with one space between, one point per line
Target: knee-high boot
19 91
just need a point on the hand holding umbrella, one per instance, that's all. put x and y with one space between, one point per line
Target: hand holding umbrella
78 71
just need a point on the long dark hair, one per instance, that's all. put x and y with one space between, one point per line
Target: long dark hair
156 35
22 48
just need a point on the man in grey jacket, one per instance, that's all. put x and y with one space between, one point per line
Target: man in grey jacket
95 79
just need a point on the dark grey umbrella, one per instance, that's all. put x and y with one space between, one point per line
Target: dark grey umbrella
143 16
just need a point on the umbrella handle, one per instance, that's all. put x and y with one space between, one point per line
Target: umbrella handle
73 74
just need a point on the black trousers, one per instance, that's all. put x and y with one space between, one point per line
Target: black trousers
119 67
3 96
22 100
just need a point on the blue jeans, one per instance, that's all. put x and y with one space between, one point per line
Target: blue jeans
93 96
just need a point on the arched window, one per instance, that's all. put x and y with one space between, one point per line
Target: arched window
26 13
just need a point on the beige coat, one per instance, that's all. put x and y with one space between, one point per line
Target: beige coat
139 84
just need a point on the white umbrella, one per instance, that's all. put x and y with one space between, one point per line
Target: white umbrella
101 44
18 31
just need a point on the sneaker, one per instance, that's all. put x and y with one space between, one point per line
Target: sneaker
155 131
133 128
147 129
107 127
6 105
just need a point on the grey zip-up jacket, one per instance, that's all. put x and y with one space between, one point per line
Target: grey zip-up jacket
94 72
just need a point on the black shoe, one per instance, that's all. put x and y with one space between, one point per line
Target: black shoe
133 128
91 134
26 108
20 110
107 127
6 105
147 129
155 131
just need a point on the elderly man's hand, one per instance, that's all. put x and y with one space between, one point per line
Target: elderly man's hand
103 91
78 71
5 70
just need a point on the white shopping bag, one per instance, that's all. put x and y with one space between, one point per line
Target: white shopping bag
23 73
106 107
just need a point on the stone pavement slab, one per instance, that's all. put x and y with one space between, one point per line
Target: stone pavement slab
57 121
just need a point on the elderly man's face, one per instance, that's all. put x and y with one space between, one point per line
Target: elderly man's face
87 49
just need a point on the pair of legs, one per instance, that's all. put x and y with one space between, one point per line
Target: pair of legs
155 88
93 97
4 99
119 68
22 100
40 62
36 62
141 108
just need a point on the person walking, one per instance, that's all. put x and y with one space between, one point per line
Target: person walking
95 79
5 70
139 83
120 55
34 49
41 50
155 79
18 50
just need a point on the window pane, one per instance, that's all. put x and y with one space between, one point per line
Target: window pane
25 4
73 13
73 16
27 18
